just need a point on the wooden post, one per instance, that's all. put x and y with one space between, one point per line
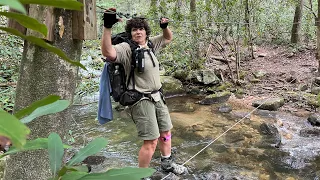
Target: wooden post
45 15
15 25
84 23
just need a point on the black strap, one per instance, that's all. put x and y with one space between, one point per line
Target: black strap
133 45
154 64
151 46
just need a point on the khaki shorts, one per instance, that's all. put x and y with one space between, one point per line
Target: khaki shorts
151 118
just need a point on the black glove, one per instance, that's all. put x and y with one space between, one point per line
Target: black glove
163 25
109 18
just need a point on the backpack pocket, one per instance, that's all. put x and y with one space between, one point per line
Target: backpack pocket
130 97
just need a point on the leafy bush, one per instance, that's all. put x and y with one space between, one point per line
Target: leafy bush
16 131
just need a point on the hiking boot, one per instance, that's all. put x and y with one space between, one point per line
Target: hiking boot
146 178
168 165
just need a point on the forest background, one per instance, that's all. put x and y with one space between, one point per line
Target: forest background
198 27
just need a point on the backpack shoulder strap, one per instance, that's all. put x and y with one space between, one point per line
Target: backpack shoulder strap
133 47
151 46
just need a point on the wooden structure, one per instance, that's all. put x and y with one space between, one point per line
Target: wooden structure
84 23
13 24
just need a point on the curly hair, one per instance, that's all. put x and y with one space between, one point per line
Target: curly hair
137 22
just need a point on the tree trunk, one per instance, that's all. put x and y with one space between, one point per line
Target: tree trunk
153 10
195 41
318 38
178 16
297 23
208 14
248 29
193 16
163 8
43 73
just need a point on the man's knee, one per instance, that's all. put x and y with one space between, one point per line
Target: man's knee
165 136
150 144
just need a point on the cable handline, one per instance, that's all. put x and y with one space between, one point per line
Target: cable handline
211 142
128 16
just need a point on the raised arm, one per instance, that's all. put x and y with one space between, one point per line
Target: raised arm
167 33
109 19
106 47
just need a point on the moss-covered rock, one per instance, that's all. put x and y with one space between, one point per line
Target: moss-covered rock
224 86
219 97
207 77
181 74
259 74
171 86
271 104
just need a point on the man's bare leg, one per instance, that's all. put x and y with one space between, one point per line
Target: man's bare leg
146 152
165 145
167 163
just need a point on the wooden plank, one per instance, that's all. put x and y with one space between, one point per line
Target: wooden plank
84 23
15 25
45 15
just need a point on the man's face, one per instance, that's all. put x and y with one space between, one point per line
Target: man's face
139 35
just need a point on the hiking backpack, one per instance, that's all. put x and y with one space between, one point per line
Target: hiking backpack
118 78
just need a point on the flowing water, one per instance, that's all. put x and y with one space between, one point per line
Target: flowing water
241 153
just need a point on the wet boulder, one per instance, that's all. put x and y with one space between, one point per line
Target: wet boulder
171 86
212 175
206 77
314 119
259 74
317 80
310 132
291 77
225 108
272 136
161 175
181 74
234 137
271 104
265 113
209 77
219 97
315 90
94 160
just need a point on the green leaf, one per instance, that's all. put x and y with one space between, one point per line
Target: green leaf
13 129
14 4
26 111
27 22
66 4
121 174
56 151
92 148
66 169
42 43
81 168
73 175
39 143
54 107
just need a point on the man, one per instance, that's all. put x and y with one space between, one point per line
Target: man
150 114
